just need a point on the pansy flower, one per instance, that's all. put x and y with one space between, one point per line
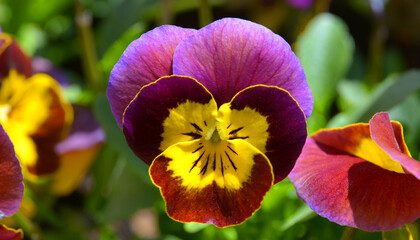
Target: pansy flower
11 186
361 175
77 152
33 110
80 148
218 113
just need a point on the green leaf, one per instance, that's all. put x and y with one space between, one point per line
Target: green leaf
407 113
351 95
326 50
129 193
406 232
194 227
389 93
348 233
114 53
302 214
116 138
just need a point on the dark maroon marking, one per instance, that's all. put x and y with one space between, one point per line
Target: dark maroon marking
193 135
221 165
196 127
233 165
229 126
231 138
204 169
236 130
232 150
205 123
214 162
196 161
198 149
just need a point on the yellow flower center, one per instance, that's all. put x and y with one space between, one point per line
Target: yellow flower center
213 145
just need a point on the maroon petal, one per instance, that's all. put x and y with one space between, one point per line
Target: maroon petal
144 61
286 125
232 54
206 186
143 123
12 57
10 234
11 186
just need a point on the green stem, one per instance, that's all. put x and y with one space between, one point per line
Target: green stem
376 42
89 58
166 9
204 13
348 233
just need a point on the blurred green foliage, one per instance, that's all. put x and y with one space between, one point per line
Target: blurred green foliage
334 50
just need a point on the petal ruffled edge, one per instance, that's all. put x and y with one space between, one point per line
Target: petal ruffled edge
10 234
231 54
388 135
144 61
212 203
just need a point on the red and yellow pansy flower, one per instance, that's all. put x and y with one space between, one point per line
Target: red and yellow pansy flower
361 175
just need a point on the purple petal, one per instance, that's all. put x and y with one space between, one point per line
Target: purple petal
144 61
232 54
382 133
11 186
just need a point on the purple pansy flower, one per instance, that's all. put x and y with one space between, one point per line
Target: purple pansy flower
361 175
219 113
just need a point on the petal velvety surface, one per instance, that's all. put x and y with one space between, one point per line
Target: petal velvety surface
11 186
350 191
9 233
284 134
207 186
386 136
144 119
231 54
144 61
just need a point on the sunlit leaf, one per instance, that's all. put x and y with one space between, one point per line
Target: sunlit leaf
325 49
302 214
194 227
389 93
115 137
406 232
